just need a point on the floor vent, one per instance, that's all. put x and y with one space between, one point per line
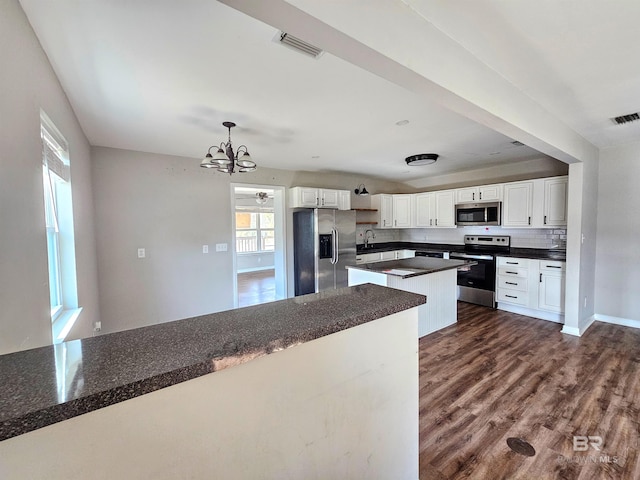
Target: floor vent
632 117
521 446
301 46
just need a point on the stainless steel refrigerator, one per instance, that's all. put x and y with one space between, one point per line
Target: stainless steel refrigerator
324 242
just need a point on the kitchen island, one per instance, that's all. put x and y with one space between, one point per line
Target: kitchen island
293 388
436 278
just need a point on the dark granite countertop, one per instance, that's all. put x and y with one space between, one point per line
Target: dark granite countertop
412 267
390 246
536 253
46 385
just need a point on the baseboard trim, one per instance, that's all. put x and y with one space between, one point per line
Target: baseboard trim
530 312
625 322
575 331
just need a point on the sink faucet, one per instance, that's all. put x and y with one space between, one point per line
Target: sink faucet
367 238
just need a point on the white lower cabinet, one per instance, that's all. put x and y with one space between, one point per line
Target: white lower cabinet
384 256
551 286
531 287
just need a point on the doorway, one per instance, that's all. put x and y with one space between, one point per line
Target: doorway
258 217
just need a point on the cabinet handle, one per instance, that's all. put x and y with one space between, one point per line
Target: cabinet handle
551 266
473 196
510 296
529 220
512 273
317 201
431 222
395 222
540 278
511 283
545 219
512 263
323 202
436 222
480 195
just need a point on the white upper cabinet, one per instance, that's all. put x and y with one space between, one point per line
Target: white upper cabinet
517 208
424 207
309 197
401 211
394 211
384 204
344 199
483 193
328 198
303 197
540 203
490 193
467 195
555 201
445 209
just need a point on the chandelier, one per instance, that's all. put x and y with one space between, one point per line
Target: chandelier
225 160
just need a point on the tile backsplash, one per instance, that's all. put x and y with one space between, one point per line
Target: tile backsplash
555 238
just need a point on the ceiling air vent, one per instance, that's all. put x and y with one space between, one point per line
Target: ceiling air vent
517 143
632 117
301 46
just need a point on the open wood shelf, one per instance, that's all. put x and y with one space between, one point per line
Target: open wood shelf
365 209
366 223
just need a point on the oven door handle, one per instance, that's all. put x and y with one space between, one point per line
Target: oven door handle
470 257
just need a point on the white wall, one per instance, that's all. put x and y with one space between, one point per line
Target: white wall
171 207
523 170
28 84
617 259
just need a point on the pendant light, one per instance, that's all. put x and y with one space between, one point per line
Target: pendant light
225 160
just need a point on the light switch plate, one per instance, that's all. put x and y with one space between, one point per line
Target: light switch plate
221 247
142 253
205 248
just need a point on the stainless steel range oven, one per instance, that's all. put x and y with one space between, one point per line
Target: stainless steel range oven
477 284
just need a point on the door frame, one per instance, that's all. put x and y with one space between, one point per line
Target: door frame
280 233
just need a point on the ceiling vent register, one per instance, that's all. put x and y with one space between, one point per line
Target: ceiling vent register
632 117
300 45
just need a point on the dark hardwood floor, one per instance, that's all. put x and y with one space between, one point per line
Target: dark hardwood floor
497 375
256 287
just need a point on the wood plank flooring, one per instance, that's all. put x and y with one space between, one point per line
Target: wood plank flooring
256 287
497 375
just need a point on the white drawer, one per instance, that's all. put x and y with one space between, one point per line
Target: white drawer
552 266
513 262
513 296
513 283
359 259
513 272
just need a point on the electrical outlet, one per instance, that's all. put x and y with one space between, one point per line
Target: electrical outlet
585 302
97 326
221 247
205 248
142 253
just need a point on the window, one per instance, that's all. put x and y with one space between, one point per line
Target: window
254 232
58 223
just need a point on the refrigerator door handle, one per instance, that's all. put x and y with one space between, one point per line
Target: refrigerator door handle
334 238
337 249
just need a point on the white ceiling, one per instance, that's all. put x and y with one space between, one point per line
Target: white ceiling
161 76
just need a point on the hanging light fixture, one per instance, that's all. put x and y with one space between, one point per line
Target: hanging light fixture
361 191
225 160
262 198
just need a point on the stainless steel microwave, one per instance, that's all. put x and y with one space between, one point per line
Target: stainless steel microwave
478 213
